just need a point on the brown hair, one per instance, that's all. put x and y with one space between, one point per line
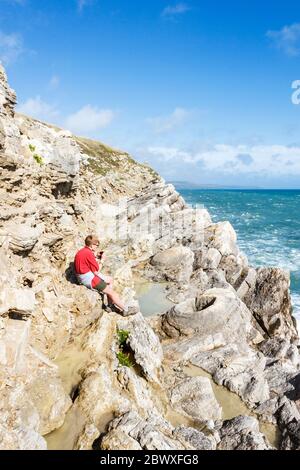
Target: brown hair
91 240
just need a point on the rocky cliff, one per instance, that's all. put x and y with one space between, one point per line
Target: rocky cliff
135 385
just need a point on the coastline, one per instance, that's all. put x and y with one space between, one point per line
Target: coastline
227 318
286 259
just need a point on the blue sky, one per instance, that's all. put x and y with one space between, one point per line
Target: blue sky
200 90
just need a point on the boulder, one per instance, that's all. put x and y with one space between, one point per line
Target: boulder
235 268
87 437
270 302
131 432
176 263
145 345
239 368
242 433
48 396
197 439
19 420
222 237
195 398
281 350
288 418
211 259
23 237
98 395
215 311
185 349
246 282
137 393
141 248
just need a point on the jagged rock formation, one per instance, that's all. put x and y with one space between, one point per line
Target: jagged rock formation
229 319
242 433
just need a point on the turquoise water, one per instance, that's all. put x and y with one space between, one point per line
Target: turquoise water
267 223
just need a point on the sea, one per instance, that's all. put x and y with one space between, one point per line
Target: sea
267 223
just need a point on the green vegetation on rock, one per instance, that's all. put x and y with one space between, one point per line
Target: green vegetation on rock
36 156
103 158
122 337
124 359
125 354
38 159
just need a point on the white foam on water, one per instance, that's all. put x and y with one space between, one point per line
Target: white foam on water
287 259
266 244
296 309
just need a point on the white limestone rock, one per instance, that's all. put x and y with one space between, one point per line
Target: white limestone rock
222 237
176 263
242 433
195 397
131 432
17 300
144 344
14 344
270 302
23 237
9 133
50 399
215 311
19 421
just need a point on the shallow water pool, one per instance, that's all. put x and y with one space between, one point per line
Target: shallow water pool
152 297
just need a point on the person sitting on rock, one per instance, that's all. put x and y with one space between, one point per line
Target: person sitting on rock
87 272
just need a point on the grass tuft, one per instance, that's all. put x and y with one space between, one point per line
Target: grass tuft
38 159
125 354
124 359
122 337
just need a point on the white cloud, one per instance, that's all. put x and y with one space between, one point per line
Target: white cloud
38 108
271 160
287 39
89 119
11 46
162 124
170 153
54 81
177 9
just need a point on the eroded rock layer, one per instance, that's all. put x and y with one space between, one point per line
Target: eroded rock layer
228 319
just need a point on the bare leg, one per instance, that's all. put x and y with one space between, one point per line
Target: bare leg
113 297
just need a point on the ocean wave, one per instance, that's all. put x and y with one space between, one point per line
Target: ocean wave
268 259
296 305
296 309
267 227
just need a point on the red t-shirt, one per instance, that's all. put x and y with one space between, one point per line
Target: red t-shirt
84 262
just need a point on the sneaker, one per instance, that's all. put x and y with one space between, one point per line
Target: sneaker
107 308
133 310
